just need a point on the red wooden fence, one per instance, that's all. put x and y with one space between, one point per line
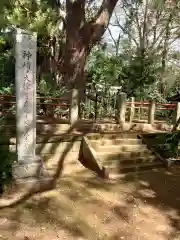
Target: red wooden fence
166 106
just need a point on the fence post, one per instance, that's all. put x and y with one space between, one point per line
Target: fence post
176 113
121 107
131 109
74 107
152 107
141 110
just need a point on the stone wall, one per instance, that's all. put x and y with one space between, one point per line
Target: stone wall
59 153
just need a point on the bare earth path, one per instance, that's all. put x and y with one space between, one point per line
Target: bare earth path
146 206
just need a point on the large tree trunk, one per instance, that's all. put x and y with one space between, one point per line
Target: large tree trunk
81 36
74 65
75 48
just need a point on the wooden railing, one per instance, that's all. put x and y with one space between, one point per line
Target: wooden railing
150 107
125 110
45 105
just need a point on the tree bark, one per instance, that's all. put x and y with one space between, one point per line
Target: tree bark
81 36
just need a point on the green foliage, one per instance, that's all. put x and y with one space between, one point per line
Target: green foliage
6 69
44 87
43 17
3 5
104 69
7 63
47 89
135 76
140 74
166 144
34 15
7 158
174 88
7 90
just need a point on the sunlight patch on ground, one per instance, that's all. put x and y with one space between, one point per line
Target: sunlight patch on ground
90 209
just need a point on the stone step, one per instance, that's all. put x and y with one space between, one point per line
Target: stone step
43 127
49 138
133 175
52 159
120 148
112 136
106 156
53 148
117 141
51 165
130 161
68 168
136 168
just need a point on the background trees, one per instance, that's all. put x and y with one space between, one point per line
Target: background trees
140 52
149 38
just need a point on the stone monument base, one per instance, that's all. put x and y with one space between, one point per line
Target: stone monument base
29 177
31 173
32 167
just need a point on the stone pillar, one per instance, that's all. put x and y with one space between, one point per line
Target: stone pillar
29 165
74 107
176 114
121 107
152 108
131 109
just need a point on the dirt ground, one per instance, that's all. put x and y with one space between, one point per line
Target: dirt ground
139 207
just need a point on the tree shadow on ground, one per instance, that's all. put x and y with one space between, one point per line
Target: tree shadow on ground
42 186
86 206
74 206
160 190
42 205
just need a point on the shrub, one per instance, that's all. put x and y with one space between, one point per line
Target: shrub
7 159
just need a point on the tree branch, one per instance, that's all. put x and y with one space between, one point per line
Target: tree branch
145 21
163 30
126 32
176 38
158 37
138 27
116 42
99 23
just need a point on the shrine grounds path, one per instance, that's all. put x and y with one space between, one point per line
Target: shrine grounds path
142 206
